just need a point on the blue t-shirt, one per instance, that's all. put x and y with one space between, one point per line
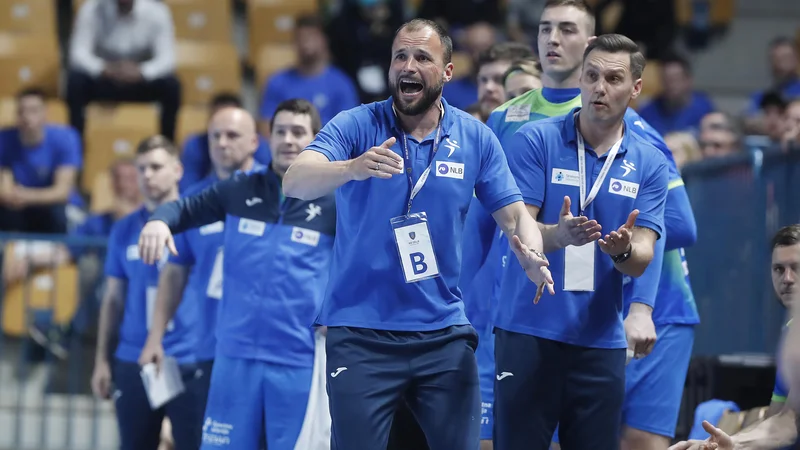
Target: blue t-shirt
331 92
201 250
96 225
545 165
367 287
789 90
461 93
480 267
122 262
35 167
197 161
781 390
686 118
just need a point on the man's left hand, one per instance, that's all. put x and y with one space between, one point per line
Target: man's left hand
619 242
535 267
640 330
129 72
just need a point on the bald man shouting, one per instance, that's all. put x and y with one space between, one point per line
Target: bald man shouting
269 283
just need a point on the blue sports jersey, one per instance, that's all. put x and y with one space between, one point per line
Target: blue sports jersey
545 165
781 390
201 250
275 268
36 166
122 261
480 268
367 287
196 159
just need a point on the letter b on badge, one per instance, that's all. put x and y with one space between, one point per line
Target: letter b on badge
418 263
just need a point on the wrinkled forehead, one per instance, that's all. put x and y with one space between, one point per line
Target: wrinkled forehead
607 62
422 39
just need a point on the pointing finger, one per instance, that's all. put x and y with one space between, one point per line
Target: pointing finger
171 246
632 219
565 206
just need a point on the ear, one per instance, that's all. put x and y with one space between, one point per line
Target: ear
637 89
448 72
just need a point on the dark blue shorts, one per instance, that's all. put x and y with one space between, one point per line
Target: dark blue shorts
371 372
541 382
140 426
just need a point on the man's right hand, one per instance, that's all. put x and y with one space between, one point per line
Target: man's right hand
378 162
573 230
153 352
101 379
154 237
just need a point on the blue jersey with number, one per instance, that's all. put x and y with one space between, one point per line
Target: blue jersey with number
122 262
368 288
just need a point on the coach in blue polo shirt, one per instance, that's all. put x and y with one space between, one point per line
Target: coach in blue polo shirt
564 359
404 171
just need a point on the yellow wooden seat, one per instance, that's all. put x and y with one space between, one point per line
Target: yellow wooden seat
651 82
36 17
202 20
191 120
113 132
56 112
47 289
721 14
28 61
207 68
462 65
272 58
272 21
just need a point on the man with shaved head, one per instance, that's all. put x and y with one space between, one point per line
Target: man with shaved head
275 268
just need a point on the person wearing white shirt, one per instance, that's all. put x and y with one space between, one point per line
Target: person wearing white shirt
123 50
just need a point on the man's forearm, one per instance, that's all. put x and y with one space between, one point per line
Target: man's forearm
44 196
171 285
108 327
550 238
776 432
525 228
308 180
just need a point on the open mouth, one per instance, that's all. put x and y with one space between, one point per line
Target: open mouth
410 87
552 54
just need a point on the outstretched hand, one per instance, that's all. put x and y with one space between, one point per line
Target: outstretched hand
535 267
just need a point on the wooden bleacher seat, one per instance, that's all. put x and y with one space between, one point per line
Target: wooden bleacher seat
28 61
112 132
651 82
76 4
102 194
462 65
273 58
272 21
721 14
56 112
46 289
202 20
36 17
191 120
207 68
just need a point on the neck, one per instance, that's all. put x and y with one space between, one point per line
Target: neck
30 138
279 171
223 174
422 124
558 81
600 135
313 67
151 205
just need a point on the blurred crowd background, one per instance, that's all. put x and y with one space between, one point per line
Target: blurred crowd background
82 81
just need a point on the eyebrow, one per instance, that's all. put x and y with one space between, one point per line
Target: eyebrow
560 24
419 50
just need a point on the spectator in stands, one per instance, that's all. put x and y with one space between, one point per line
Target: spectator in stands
463 90
521 77
719 140
195 156
123 51
773 109
492 65
784 65
792 134
715 119
456 14
522 19
314 78
684 148
39 164
474 110
678 107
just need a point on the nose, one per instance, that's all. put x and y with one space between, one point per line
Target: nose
553 37
410 65
789 277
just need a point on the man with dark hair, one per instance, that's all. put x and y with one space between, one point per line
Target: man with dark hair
396 324
271 281
313 78
126 316
678 107
773 108
39 165
784 63
492 64
563 360
779 430
195 156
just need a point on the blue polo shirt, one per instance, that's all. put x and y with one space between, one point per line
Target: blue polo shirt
35 167
545 165
461 93
685 118
196 159
367 288
122 261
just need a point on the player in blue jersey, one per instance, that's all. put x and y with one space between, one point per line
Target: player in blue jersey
126 316
574 346
564 35
274 273
779 430
396 324
194 275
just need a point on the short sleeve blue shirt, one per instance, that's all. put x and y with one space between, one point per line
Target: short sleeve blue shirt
35 167
367 288
545 165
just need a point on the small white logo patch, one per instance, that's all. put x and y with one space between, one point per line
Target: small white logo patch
450 170
622 187
566 177
212 228
518 113
252 227
305 236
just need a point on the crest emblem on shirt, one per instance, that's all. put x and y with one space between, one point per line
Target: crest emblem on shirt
412 235
452 146
627 167
313 211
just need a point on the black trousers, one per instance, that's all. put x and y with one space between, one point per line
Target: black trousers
34 219
406 434
82 89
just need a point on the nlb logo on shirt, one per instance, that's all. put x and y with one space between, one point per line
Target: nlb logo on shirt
305 236
450 170
565 177
622 187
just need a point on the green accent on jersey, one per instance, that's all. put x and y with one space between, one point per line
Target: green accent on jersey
778 398
675 183
540 109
